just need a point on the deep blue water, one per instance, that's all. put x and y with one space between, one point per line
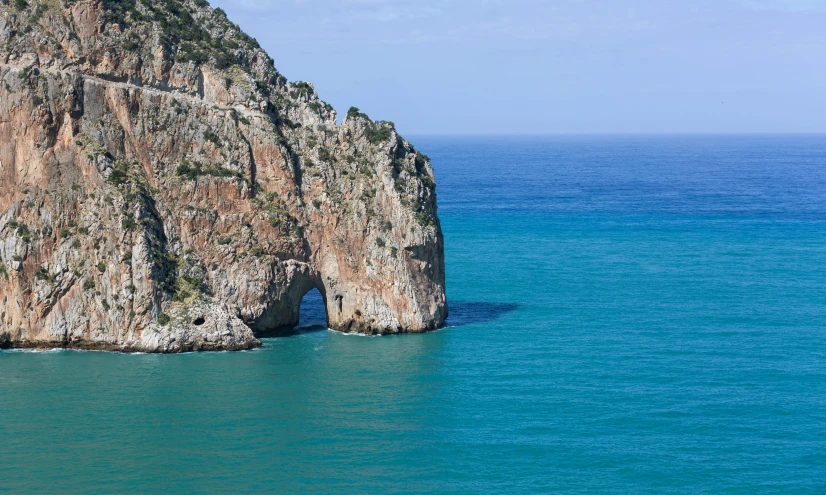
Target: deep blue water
628 315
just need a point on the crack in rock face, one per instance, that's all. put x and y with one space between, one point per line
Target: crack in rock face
164 189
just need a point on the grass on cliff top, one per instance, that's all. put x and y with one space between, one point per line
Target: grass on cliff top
180 29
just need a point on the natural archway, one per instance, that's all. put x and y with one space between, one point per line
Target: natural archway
284 312
312 311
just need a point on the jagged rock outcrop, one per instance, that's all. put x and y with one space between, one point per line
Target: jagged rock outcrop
163 188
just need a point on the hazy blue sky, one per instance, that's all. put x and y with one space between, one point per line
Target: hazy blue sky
555 66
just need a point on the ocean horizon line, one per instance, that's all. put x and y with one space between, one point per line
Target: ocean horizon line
616 134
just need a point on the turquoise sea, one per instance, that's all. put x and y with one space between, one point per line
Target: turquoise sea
628 315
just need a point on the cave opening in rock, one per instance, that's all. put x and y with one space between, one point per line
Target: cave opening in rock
313 310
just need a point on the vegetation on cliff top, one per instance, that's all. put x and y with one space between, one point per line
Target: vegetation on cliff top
181 30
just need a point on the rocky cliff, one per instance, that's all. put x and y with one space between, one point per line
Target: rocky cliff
163 188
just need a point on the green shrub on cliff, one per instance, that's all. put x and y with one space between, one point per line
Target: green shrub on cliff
377 133
423 219
187 289
22 230
192 171
116 11
119 175
355 112
301 88
128 223
212 138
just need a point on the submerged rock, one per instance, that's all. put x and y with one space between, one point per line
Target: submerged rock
163 189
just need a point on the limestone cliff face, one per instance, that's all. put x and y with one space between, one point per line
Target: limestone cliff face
163 188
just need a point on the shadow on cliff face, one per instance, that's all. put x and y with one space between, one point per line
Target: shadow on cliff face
470 313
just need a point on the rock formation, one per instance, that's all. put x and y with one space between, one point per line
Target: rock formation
163 189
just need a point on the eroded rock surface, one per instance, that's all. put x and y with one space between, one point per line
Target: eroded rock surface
163 189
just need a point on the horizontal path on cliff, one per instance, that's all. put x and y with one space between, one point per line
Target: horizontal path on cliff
148 89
